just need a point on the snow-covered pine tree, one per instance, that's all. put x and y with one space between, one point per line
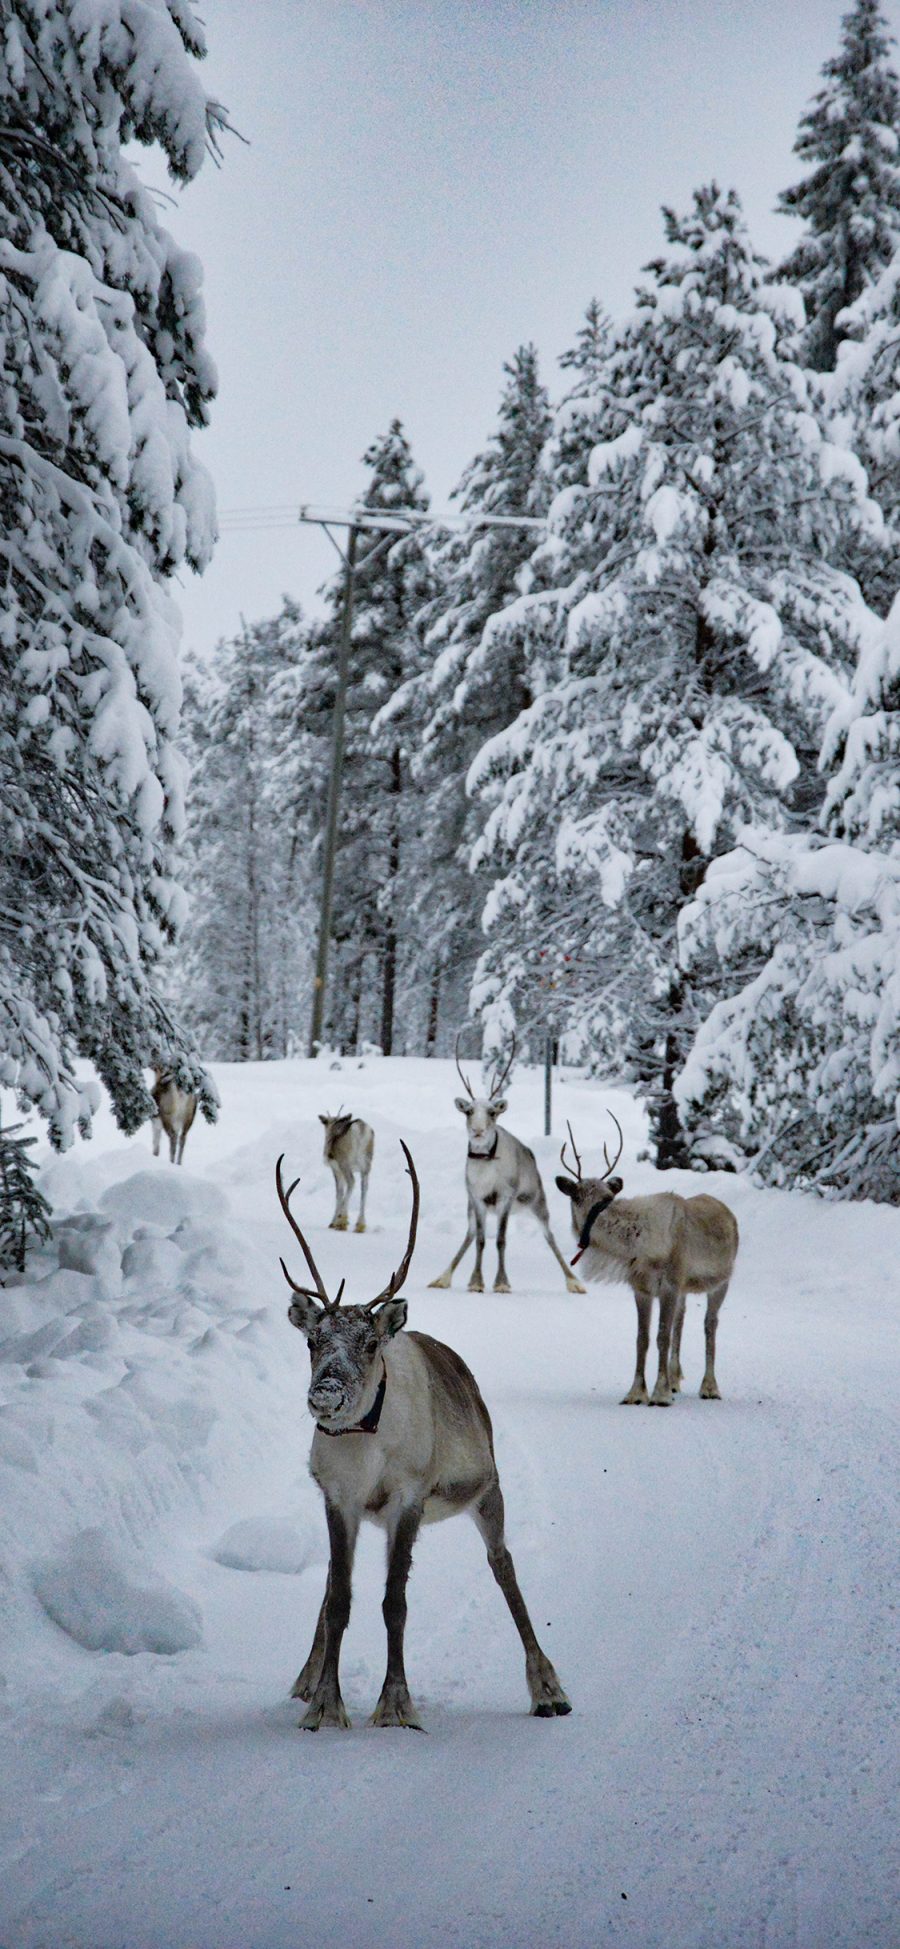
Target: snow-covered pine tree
850 200
24 1211
242 970
800 1065
379 807
680 685
104 373
467 695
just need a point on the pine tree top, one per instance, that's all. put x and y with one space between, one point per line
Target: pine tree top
850 200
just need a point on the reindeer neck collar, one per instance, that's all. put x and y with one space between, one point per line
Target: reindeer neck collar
484 1156
369 1422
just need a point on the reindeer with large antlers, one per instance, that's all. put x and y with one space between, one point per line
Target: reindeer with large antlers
662 1246
502 1176
402 1437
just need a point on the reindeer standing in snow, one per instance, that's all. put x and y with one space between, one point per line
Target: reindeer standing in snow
661 1245
175 1112
348 1151
501 1176
402 1437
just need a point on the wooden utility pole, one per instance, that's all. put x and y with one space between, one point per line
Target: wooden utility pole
334 796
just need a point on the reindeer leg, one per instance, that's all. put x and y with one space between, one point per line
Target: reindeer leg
339 1222
676 1371
173 1144
637 1394
363 1188
476 1283
662 1396
501 1283
395 1707
708 1387
445 1277
547 1695
157 1135
326 1707
305 1683
542 1215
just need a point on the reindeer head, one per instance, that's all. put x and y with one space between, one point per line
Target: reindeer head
345 1343
590 1196
481 1112
335 1128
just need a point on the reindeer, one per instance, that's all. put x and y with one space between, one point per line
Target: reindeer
501 1174
402 1437
175 1112
662 1245
348 1149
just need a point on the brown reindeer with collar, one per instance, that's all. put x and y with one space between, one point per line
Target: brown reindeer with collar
661 1246
402 1437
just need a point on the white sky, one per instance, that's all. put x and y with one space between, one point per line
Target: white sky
428 184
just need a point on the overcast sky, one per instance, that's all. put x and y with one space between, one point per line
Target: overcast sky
428 184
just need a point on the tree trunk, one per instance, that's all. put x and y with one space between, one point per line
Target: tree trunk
390 939
433 1009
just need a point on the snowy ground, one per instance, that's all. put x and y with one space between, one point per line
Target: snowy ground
714 1582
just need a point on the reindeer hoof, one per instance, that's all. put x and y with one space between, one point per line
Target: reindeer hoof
439 1285
502 1286
325 1712
575 1286
396 1711
303 1686
662 1397
360 1225
476 1285
709 1391
338 1224
637 1397
548 1700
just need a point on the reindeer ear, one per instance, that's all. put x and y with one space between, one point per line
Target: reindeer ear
566 1185
497 1106
303 1313
390 1318
614 1185
323 1119
462 1103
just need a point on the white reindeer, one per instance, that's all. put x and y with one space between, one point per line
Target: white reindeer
348 1150
661 1246
501 1176
402 1437
175 1112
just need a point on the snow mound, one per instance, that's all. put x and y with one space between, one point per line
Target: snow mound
163 1198
93 1595
258 1543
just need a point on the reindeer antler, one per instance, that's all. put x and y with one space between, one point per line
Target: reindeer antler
499 1080
396 1279
463 1079
562 1154
307 1292
611 1166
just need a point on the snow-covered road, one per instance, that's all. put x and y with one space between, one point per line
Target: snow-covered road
716 1583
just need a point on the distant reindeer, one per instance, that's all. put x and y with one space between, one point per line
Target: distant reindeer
175 1112
501 1176
661 1246
402 1437
348 1150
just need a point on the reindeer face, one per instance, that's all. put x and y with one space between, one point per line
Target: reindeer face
344 1350
590 1198
481 1122
335 1129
